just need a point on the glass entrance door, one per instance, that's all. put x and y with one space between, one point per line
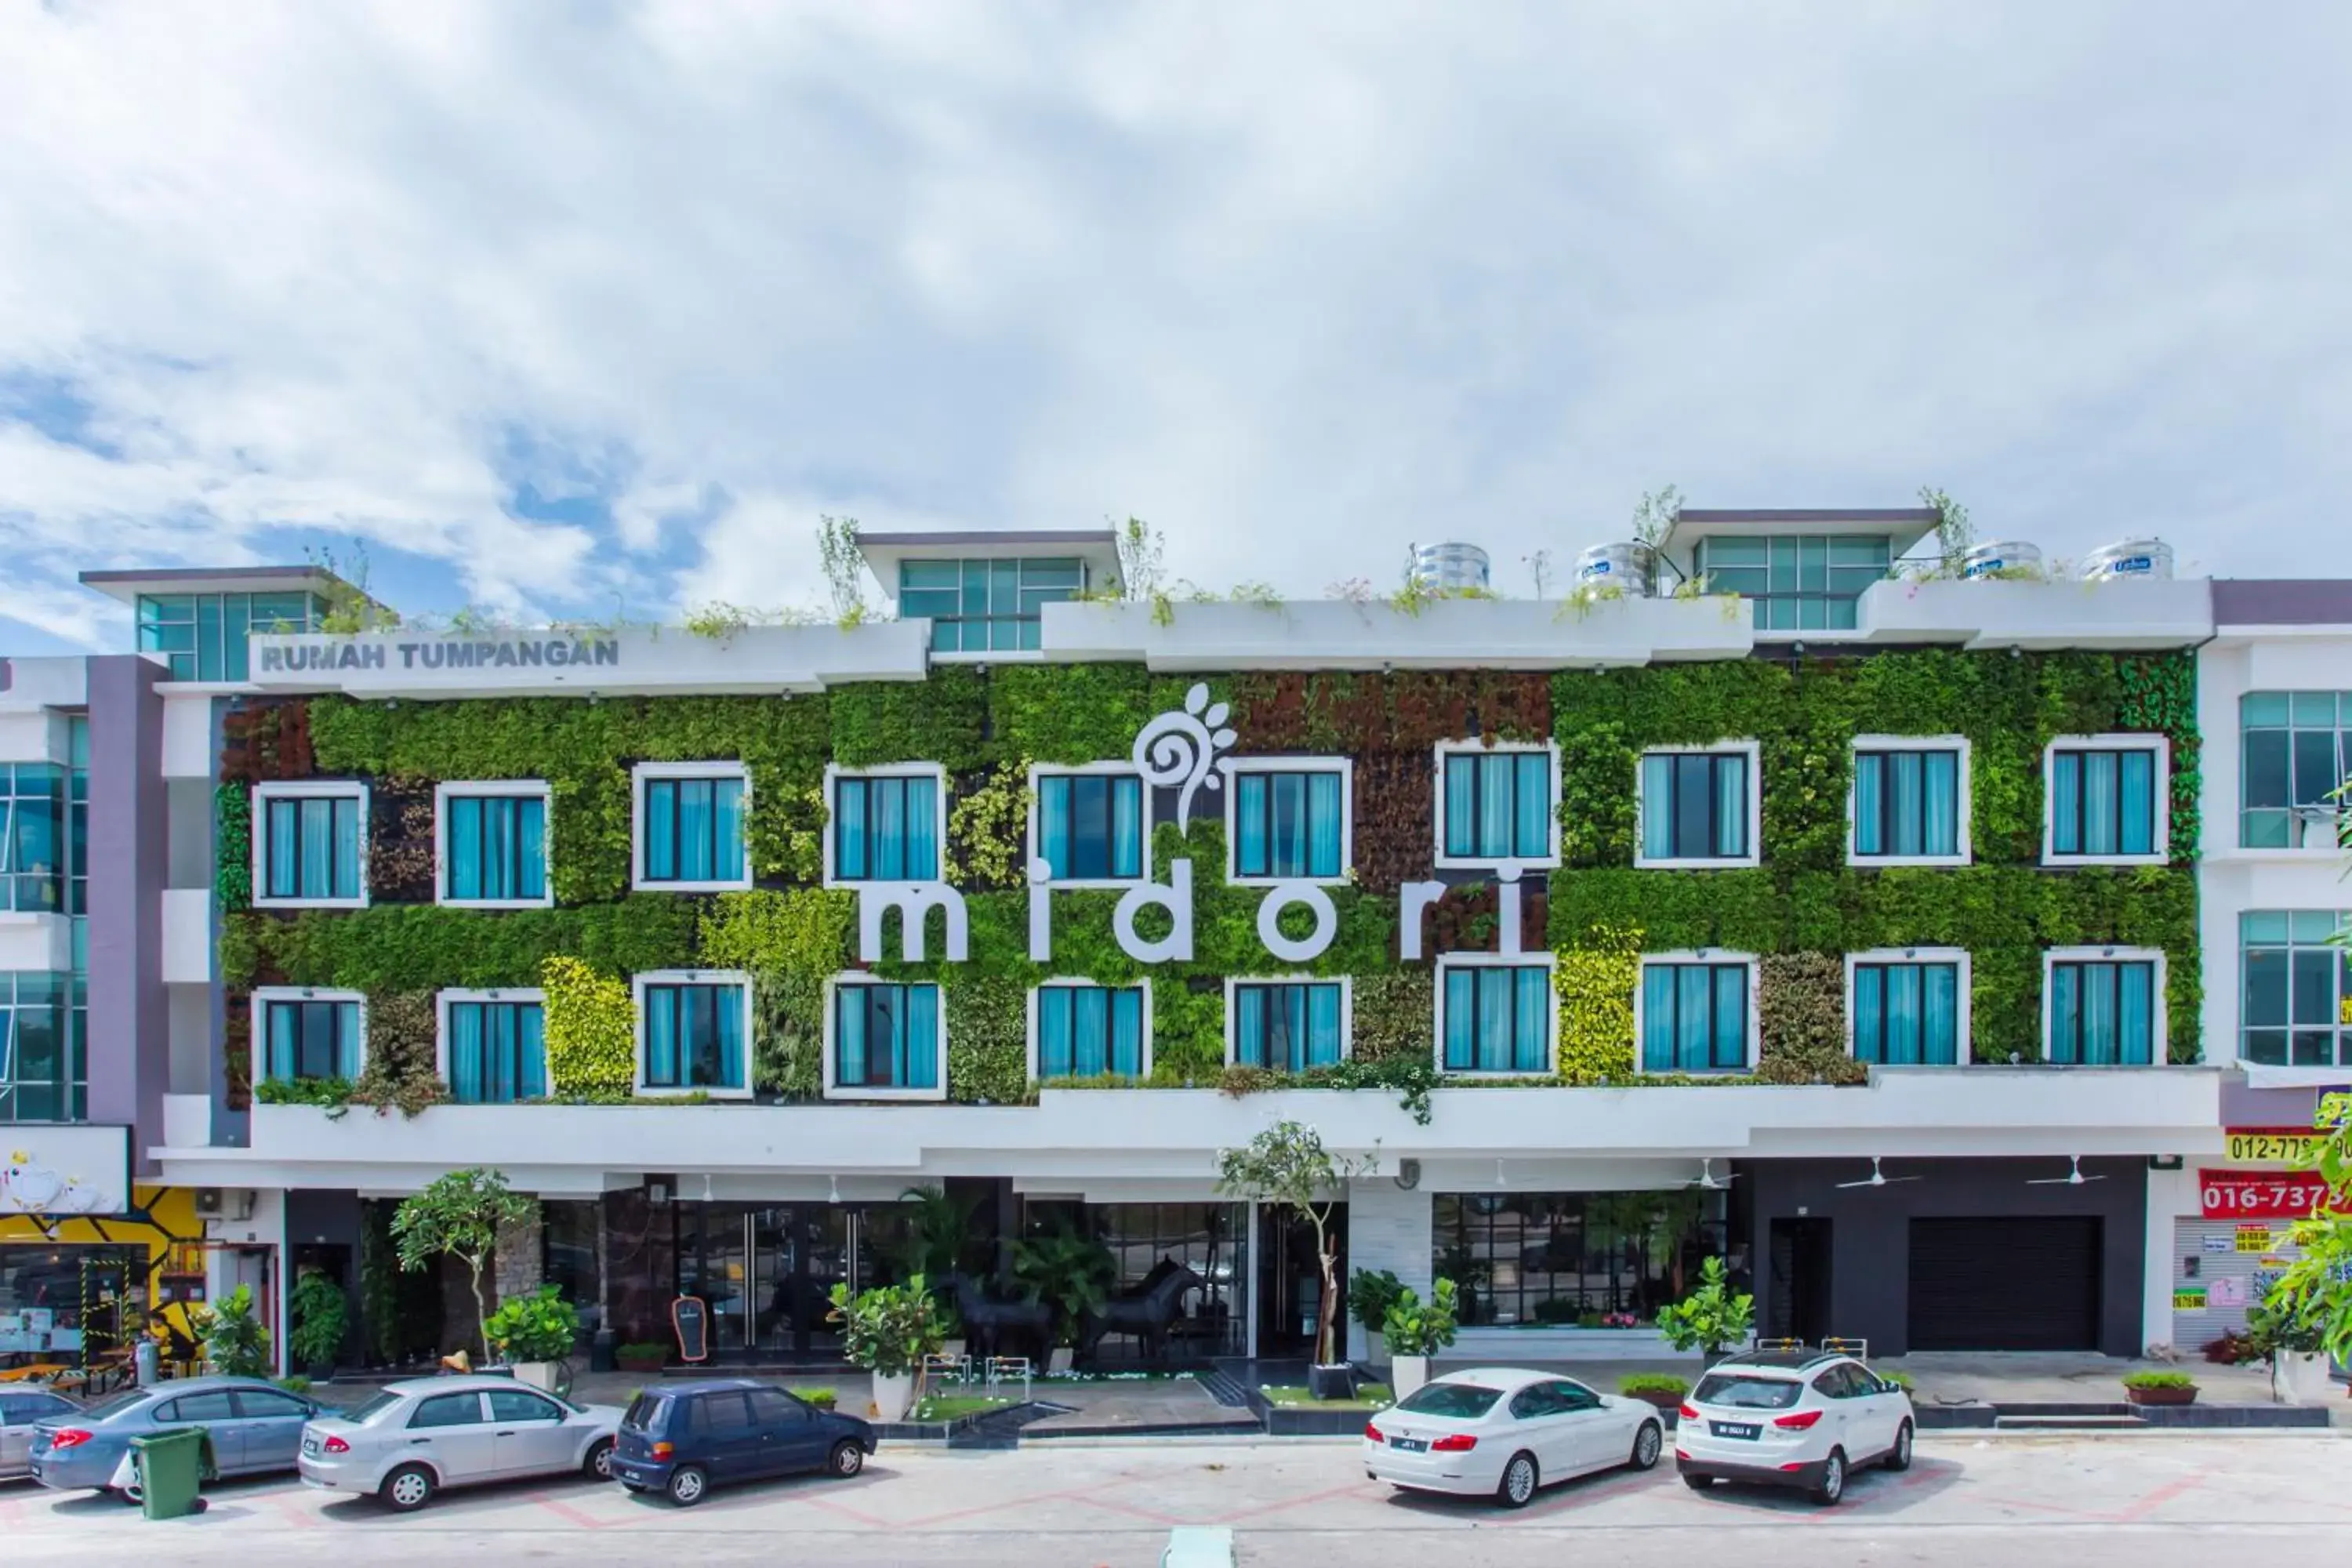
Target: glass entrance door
766 1274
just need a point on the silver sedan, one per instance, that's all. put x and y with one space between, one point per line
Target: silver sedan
415 1437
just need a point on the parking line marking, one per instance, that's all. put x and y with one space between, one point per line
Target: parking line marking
1353 1487
564 1510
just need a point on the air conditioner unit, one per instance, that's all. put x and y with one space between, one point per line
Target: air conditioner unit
208 1203
240 1205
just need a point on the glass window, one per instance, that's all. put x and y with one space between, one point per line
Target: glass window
1150 1241
1744 1393
1498 805
2295 988
1695 1017
2102 802
1090 825
1573 1258
1907 803
982 606
215 1405
1497 1017
2103 1012
886 1036
32 838
310 847
518 1405
1287 1026
266 1404
1088 1031
1800 583
309 1038
1292 824
886 829
1907 1014
1571 1396
1463 1401
718 1414
375 1404
1695 806
773 1407
203 636
498 1052
693 1036
45 1030
449 1410
694 831
495 847
2297 754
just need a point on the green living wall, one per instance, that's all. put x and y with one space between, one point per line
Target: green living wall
1801 910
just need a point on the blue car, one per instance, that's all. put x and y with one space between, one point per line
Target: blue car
256 1426
685 1439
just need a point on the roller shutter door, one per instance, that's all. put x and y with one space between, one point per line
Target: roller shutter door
2005 1284
2219 1269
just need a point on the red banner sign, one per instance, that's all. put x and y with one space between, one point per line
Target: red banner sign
2259 1194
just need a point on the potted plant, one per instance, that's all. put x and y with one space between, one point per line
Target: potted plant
1370 1294
1287 1166
1072 1274
235 1345
1414 1331
1662 1389
2159 1388
940 1240
1711 1319
534 1332
888 1331
320 1317
2286 1331
644 1356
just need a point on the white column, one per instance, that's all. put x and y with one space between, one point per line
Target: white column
2171 1196
1388 1227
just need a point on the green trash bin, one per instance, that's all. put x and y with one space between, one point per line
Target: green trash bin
172 1467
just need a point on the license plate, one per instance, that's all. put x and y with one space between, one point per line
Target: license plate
1410 1445
310 1445
1734 1428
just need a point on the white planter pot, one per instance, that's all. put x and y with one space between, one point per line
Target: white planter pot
1059 1361
537 1373
2300 1379
893 1395
1407 1373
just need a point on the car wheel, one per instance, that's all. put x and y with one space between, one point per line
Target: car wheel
688 1486
131 1495
407 1490
1698 1483
845 1460
1518 1485
1832 1486
1898 1458
1648 1443
598 1465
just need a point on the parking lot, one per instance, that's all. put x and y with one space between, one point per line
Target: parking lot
1289 1503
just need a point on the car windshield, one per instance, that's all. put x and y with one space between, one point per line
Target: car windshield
373 1406
130 1399
1465 1401
645 1410
1746 1393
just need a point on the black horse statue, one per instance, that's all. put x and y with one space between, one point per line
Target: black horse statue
1145 1310
1002 1328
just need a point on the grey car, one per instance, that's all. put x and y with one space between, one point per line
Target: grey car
414 1438
256 1427
21 1409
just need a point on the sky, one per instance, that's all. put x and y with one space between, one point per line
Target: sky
596 308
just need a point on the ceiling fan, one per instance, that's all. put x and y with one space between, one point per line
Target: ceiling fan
2073 1178
1707 1180
1877 1178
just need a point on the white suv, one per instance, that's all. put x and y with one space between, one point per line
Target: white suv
1791 1418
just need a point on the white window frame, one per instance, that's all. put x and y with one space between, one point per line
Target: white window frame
256 1029
1754 752
493 789
1964 1021
646 773
1446 963
308 789
859 1091
1347 984
735 977
1445 862
2162 746
1038 772
1717 956
1077 982
1864 744
834 772
1346 768
2159 1050
441 1003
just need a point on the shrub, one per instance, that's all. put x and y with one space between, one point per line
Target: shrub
1414 1328
321 1317
2159 1380
540 1326
1710 1318
1370 1294
888 1331
1635 1384
822 1398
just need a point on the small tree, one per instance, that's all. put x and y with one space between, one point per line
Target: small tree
2312 1297
235 1345
1711 1319
460 1216
1287 1166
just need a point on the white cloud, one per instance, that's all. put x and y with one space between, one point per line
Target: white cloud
1301 283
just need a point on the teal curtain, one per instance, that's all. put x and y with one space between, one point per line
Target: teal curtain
696 825
1126 827
661 1036
2066 803
727 1017
2066 1014
1323 1043
466 1052
1461 1020
1054 825
2136 1014
1495 813
466 847
849 1043
1126 1032
1939 1021
920 1047
1089 1030
1286 795
1460 805
1532 1019
531 849
1658 808
1324 818
922 853
1730 805
887 801
849 835
1941 805
2100 829
729 862
1251 1045
1053 1056
1869 804
2137 783
1533 827
1658 1017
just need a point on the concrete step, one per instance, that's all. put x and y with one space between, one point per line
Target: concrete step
2007 1423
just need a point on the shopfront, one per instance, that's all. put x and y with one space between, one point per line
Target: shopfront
2233 1229
1211 1239
1573 1258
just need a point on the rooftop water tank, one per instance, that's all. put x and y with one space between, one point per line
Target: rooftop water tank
1450 568
2150 558
1991 560
1632 566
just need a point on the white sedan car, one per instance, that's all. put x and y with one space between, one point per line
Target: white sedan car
1791 1418
1504 1432
415 1437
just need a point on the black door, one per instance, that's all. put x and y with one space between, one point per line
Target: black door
1289 1279
1798 1307
2005 1284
